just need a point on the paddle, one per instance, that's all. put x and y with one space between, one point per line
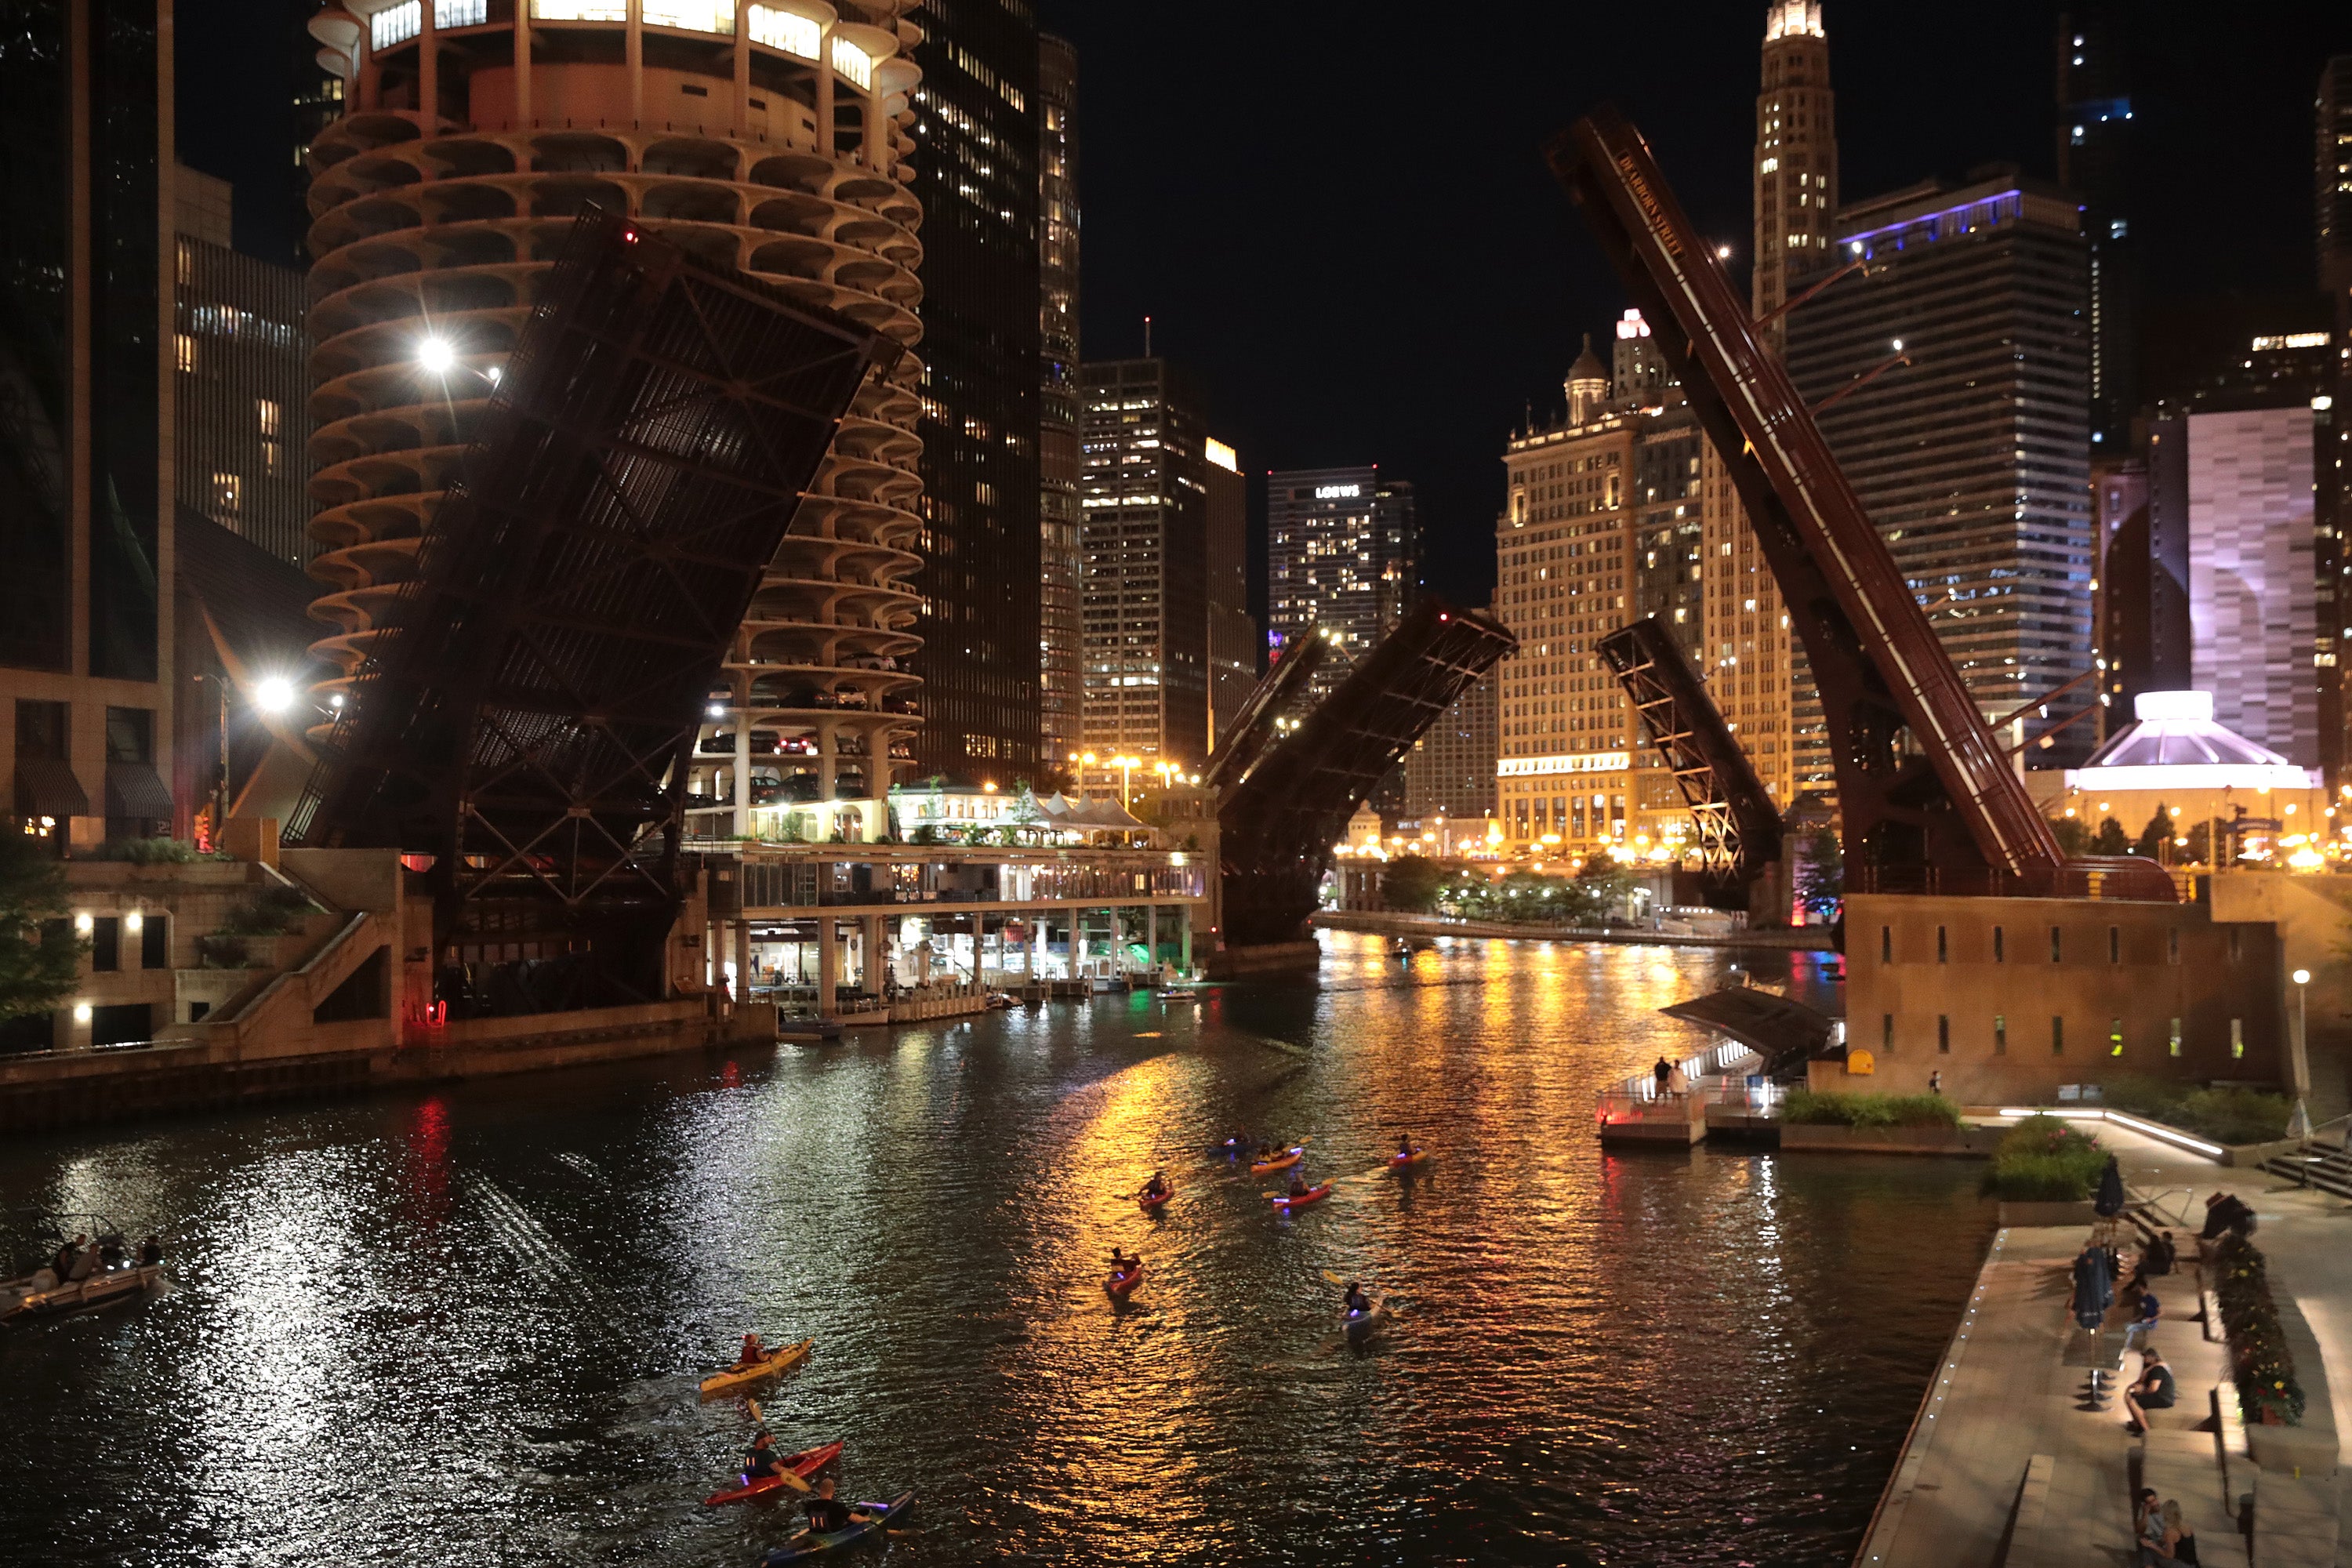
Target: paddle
791 1478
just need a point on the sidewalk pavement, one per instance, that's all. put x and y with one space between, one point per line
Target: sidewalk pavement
2011 1461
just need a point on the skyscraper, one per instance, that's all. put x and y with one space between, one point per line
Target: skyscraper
1973 460
976 133
1796 176
1146 490
2251 583
242 379
1451 769
1233 630
2094 135
772 146
1342 551
86 430
2332 451
1061 626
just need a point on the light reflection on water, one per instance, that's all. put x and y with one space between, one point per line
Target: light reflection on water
464 1327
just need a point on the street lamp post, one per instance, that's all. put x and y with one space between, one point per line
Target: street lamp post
1126 766
2299 1124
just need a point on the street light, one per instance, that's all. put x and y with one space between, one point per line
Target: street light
2299 1124
436 357
273 694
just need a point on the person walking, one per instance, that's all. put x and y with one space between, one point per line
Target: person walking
1935 1083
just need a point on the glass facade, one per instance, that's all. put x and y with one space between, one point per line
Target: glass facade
976 177
35 365
126 315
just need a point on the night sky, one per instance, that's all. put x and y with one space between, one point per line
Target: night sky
1340 220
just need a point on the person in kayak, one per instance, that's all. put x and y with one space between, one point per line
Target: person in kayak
1157 1187
754 1352
760 1460
1357 1302
1405 1149
1122 1264
1299 1188
825 1514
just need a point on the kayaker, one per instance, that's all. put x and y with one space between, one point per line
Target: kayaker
760 1460
1357 1302
1122 1264
1265 1152
754 1352
1157 1187
151 1253
1404 1147
1298 1183
826 1515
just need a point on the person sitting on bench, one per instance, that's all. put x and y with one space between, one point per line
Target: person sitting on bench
2157 1258
2155 1391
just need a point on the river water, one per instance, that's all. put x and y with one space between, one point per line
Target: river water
464 1327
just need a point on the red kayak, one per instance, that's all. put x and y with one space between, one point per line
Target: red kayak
1119 1285
1311 1195
1152 1202
805 1463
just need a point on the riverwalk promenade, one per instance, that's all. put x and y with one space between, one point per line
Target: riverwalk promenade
2014 1462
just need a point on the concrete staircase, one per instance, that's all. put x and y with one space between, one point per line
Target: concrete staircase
2326 1166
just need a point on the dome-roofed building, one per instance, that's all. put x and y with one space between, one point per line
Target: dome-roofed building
2174 756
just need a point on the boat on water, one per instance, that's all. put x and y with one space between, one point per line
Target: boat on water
1313 1194
879 1515
1282 1161
804 1465
1121 1281
1361 1326
40 1294
782 1358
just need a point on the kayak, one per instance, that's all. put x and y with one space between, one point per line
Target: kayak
1152 1201
805 1463
1360 1326
1119 1285
1408 1162
1311 1195
780 1359
1282 1161
804 1545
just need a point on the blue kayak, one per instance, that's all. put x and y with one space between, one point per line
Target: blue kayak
805 1546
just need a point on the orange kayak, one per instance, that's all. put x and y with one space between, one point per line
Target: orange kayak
1311 1195
1282 1161
1151 1201
1119 1285
1407 1161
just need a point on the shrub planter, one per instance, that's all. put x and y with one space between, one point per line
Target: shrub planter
2032 1214
1976 1141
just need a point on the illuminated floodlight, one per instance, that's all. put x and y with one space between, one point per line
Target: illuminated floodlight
273 694
435 357
1723 253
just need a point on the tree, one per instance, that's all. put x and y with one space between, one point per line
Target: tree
1821 872
1409 884
40 960
2111 839
2074 836
2153 837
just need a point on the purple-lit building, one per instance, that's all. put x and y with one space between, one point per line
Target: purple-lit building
1973 459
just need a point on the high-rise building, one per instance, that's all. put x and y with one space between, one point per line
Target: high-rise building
976 135
85 427
2095 134
2251 585
1451 769
1973 461
1796 162
1061 623
1233 630
762 137
2332 447
1342 555
241 378
1747 653
1145 488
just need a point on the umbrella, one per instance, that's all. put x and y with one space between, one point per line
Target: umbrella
2110 1201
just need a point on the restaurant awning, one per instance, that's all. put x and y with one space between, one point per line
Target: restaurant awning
132 789
45 786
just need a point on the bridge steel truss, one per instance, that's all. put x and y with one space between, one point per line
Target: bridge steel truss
1929 798
1738 830
526 718
1281 812
1259 723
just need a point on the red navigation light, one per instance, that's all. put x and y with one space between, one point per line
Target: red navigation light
1442 617
629 235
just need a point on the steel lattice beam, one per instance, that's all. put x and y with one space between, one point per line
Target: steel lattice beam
1739 831
1279 815
526 717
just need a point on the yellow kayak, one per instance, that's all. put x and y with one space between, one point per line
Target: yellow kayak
783 1358
1281 1161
